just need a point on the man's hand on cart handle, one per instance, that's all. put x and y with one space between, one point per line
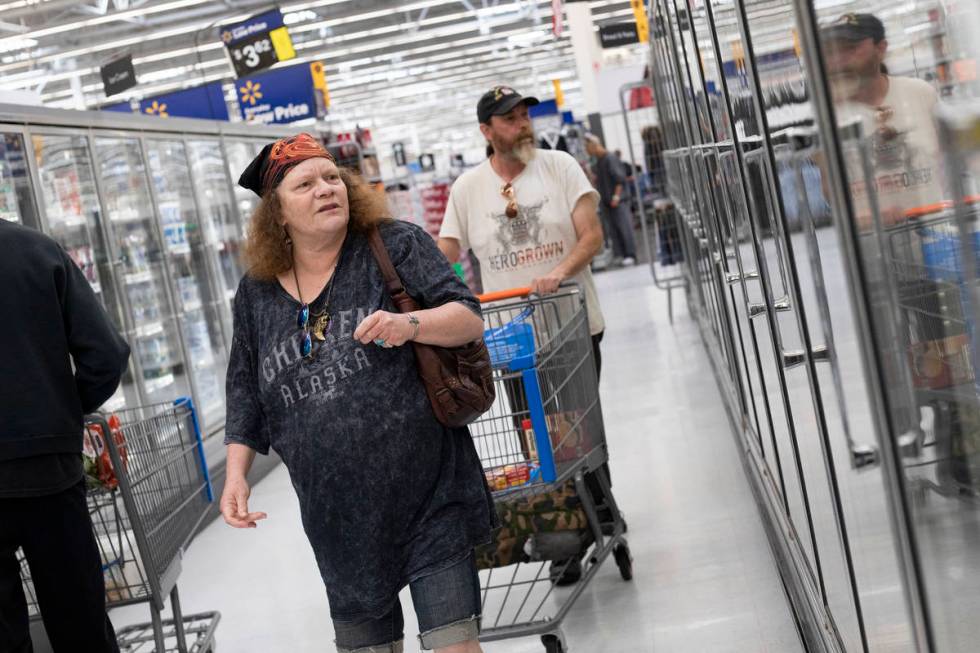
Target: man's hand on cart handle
547 284
234 505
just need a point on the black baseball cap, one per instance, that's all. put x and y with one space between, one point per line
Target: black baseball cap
855 27
500 100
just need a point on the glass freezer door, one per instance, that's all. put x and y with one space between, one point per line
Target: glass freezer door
72 216
16 202
222 236
240 154
190 282
140 270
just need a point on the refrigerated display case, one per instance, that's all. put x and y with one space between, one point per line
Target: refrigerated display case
145 208
16 201
139 260
73 217
239 153
823 157
200 304
222 233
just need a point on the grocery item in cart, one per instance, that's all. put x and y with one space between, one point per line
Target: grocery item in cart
528 517
95 454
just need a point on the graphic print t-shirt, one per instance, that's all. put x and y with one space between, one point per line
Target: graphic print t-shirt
904 154
385 491
513 251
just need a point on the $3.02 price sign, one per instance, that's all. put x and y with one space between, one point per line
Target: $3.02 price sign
253 54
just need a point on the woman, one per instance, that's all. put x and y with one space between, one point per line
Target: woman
388 496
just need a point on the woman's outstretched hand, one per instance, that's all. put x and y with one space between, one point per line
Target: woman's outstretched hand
234 505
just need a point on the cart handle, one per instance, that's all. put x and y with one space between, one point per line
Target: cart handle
504 294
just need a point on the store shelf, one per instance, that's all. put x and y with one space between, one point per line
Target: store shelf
149 330
180 250
139 277
70 220
190 307
159 383
128 216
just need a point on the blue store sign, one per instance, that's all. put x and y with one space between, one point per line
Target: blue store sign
206 102
281 96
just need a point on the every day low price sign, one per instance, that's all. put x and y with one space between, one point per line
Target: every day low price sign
207 102
284 95
257 43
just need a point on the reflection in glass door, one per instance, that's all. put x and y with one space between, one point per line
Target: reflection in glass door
72 217
141 270
240 153
221 232
190 280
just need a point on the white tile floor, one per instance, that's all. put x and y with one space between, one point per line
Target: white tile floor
705 580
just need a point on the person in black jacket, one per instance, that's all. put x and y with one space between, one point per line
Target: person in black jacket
60 358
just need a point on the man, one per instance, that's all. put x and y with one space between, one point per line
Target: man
905 179
530 218
61 359
611 178
895 113
529 215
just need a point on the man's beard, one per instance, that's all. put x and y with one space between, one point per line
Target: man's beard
524 151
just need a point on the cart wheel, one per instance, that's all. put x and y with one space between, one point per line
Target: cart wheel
624 560
552 644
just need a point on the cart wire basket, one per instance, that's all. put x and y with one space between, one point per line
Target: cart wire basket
543 449
145 517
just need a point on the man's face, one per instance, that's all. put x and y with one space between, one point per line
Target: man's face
858 59
511 134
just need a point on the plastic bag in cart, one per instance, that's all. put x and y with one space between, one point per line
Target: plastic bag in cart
512 345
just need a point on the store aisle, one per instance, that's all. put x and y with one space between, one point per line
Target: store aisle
705 581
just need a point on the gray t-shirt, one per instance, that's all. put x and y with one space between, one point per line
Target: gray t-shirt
386 492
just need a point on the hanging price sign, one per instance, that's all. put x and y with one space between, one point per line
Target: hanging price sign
257 43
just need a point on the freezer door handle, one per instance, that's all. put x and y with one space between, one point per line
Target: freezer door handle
734 277
780 306
792 359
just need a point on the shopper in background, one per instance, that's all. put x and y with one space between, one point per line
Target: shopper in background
62 358
611 178
388 496
529 216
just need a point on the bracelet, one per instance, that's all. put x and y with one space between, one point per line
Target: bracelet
414 321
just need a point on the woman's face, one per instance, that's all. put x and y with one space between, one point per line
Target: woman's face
313 198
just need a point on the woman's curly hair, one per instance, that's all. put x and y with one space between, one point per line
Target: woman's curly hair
266 253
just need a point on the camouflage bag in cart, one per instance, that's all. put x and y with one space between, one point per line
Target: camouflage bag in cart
547 526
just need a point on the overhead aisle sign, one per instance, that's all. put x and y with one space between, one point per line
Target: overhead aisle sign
284 95
118 75
206 102
257 43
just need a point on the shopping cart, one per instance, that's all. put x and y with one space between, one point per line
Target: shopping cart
543 450
145 518
928 264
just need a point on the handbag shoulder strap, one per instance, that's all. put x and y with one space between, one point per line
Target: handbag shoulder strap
393 282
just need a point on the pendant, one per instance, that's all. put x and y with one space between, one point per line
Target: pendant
320 324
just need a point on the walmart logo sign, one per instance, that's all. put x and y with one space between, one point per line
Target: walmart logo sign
279 96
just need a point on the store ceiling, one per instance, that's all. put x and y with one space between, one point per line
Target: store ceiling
389 64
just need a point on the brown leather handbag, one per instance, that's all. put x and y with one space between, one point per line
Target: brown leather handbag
458 380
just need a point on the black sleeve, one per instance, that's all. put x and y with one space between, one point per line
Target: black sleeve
98 351
427 275
245 421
